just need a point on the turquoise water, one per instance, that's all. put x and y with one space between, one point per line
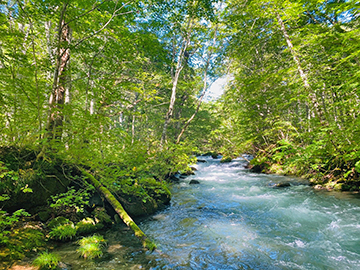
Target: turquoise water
236 220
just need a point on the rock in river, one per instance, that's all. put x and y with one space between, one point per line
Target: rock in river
282 185
194 182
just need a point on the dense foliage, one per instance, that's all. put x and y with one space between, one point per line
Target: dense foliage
116 89
295 92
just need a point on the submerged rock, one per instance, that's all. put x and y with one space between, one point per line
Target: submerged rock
174 178
63 266
201 161
282 185
187 173
194 182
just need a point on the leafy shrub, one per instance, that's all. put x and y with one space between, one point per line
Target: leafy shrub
27 239
76 199
47 261
91 247
63 232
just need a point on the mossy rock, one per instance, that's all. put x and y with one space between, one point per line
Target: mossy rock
338 186
30 238
207 154
194 182
226 160
147 199
187 172
57 222
88 226
9 254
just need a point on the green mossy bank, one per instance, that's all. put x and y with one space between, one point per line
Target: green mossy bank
50 199
324 169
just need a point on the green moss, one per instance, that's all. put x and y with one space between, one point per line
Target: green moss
88 226
276 168
29 239
20 242
44 215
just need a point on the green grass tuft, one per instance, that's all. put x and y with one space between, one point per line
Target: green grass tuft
91 247
47 261
63 232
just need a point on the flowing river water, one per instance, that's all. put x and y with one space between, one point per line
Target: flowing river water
235 219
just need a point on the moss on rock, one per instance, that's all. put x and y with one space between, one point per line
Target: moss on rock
226 160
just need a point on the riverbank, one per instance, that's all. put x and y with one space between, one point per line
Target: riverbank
324 170
49 199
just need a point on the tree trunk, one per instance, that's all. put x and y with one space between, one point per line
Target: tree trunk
60 80
203 90
179 67
302 74
120 211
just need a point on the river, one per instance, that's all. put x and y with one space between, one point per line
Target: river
235 219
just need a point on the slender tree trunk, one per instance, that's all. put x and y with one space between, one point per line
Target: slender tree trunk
302 73
203 90
179 67
60 80
198 104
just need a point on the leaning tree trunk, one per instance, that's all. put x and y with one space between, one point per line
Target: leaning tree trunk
146 242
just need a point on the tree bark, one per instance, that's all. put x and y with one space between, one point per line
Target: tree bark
120 211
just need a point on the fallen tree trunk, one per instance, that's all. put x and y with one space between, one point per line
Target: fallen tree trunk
146 242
